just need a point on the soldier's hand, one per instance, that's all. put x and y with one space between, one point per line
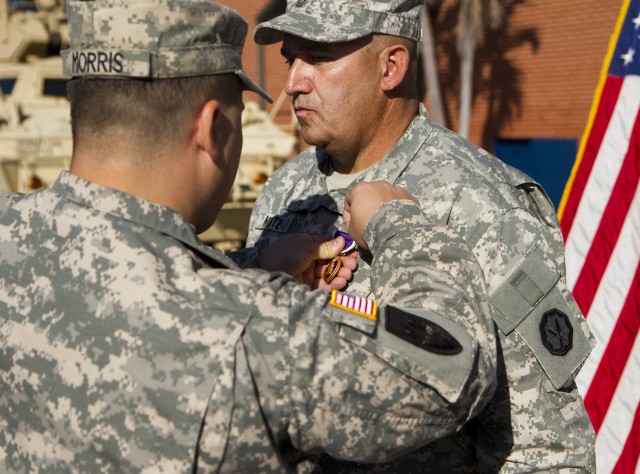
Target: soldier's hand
302 255
314 275
363 200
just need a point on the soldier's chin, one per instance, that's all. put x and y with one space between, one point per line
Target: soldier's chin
311 139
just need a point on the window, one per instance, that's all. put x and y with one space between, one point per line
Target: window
6 85
55 87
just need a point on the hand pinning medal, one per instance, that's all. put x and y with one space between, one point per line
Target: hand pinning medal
334 266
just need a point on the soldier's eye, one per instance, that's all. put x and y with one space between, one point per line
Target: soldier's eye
318 58
288 60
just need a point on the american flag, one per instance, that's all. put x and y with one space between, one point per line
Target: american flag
600 219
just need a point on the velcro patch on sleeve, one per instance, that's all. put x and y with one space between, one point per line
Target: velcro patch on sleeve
364 307
421 332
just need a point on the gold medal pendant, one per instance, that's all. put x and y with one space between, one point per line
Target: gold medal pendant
332 269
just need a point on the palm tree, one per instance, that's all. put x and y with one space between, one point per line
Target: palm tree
430 66
470 33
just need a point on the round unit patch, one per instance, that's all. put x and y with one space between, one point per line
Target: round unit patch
556 332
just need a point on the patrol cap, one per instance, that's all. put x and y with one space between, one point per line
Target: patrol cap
336 21
155 39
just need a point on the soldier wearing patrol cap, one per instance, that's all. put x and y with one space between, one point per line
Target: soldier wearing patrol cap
127 345
353 85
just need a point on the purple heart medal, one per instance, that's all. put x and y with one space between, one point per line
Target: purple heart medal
334 266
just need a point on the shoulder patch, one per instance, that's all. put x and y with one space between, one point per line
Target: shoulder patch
421 332
556 332
354 304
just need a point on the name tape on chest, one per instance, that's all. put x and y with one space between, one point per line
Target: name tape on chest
354 304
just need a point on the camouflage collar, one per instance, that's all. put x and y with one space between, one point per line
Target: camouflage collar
139 211
311 194
391 166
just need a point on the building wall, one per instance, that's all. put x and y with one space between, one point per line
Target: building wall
535 77
544 69
275 69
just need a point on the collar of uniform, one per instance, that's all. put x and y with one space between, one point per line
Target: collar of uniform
387 169
403 152
140 211
336 196
313 194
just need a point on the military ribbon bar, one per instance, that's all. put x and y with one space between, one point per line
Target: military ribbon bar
354 304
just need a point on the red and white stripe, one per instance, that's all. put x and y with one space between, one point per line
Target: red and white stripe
355 303
600 219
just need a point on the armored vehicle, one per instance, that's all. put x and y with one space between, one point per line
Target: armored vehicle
35 126
265 148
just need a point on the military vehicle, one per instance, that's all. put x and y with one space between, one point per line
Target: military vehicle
35 128
265 148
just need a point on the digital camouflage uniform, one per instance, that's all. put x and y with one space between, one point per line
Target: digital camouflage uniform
536 419
536 422
126 345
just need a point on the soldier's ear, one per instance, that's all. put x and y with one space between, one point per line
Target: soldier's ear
206 132
395 64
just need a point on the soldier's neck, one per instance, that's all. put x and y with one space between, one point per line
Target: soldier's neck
387 132
156 184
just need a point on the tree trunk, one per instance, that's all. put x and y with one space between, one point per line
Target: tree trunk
430 68
467 51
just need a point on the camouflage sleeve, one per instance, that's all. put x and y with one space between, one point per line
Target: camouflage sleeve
368 389
544 340
529 290
447 286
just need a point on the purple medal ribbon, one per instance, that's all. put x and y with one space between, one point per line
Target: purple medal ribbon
349 242
333 267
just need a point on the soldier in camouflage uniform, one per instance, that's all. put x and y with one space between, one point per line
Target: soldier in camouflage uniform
352 81
126 345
